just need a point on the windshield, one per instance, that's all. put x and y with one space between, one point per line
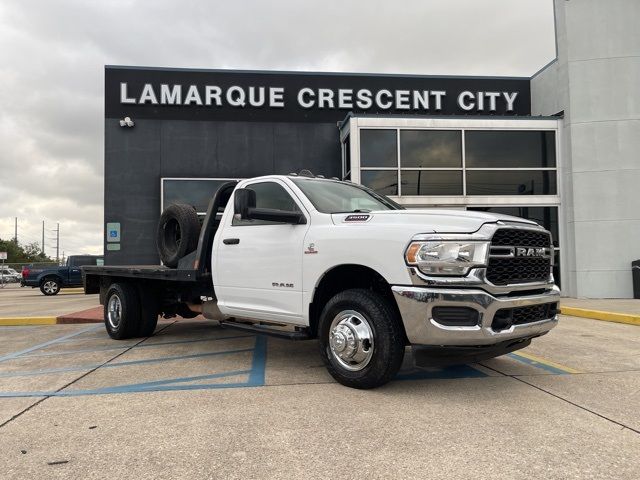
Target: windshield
338 197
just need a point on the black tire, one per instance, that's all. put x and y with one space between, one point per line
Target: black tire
128 311
149 311
50 286
177 233
388 338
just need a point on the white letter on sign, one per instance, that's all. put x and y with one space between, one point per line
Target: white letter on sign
123 94
148 94
306 92
276 97
171 96
510 98
193 96
463 104
235 96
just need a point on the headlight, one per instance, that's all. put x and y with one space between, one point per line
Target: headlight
440 257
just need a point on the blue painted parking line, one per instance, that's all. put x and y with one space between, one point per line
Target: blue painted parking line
82 368
13 355
124 346
256 378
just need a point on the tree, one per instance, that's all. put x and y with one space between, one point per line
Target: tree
17 253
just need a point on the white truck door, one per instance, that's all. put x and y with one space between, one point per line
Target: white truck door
258 269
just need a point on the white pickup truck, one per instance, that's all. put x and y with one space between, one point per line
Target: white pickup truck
304 257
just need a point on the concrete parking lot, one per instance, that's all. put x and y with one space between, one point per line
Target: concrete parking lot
198 401
17 301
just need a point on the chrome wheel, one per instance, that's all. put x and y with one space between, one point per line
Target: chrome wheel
114 311
351 340
50 287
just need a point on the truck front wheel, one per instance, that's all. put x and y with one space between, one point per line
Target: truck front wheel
361 339
122 311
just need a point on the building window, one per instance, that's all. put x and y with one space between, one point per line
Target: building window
430 149
382 181
378 148
458 162
511 182
431 182
510 149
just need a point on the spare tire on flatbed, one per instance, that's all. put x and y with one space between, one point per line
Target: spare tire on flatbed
177 234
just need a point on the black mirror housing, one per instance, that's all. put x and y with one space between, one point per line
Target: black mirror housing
243 200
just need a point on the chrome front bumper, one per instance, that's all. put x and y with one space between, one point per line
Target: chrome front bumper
416 305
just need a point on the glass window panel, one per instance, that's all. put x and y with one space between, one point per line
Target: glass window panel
378 148
382 181
430 148
545 216
505 182
431 182
274 196
190 192
269 195
509 149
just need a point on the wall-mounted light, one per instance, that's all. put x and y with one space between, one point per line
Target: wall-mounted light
126 122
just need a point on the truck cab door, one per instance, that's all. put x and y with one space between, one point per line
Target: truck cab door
257 264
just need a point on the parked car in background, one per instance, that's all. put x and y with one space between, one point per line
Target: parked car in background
51 279
9 275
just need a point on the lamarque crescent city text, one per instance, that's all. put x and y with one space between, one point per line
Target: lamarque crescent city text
314 98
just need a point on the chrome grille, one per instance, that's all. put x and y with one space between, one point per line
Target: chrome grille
519 256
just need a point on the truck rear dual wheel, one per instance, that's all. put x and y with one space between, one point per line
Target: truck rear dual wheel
130 311
361 339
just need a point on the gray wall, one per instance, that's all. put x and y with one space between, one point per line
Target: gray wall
137 158
595 81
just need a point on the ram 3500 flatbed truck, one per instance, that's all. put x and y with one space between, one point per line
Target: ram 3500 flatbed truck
304 257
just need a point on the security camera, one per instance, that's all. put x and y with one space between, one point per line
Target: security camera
126 122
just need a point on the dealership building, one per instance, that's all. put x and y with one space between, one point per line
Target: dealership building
559 148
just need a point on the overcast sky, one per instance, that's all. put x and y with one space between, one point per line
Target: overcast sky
52 57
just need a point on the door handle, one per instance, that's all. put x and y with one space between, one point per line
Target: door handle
231 241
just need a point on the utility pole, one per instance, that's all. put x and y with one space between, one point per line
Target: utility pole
43 238
15 235
58 243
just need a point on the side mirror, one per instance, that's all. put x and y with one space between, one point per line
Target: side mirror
244 204
243 200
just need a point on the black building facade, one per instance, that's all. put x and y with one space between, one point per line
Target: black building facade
172 135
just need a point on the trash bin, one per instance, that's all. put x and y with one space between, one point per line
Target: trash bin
635 271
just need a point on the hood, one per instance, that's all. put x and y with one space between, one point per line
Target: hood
428 220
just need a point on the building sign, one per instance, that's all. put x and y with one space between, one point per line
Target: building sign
303 97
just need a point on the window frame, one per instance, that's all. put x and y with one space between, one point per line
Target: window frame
255 223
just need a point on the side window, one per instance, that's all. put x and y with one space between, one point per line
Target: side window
269 195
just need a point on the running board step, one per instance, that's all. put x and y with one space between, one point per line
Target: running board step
302 334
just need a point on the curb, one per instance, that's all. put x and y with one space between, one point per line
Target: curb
626 318
19 321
